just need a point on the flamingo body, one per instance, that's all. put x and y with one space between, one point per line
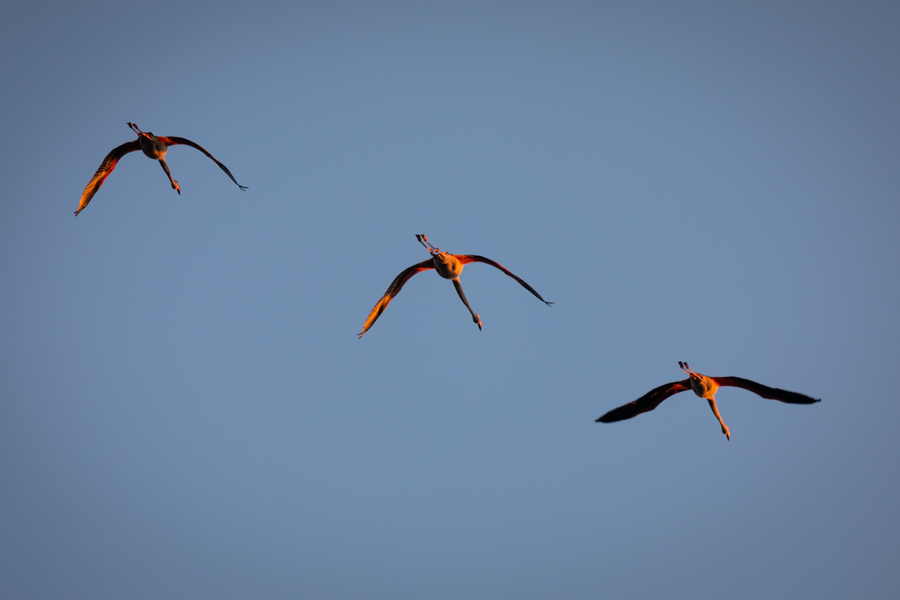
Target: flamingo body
447 265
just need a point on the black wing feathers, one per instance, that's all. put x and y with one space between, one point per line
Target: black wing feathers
172 141
645 403
766 391
467 258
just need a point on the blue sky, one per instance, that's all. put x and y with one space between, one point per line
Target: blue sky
185 408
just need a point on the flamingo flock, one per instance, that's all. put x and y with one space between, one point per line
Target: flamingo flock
450 266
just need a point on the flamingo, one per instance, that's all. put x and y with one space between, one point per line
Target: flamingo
705 387
154 147
448 266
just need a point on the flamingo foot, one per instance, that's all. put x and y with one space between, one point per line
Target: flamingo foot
423 239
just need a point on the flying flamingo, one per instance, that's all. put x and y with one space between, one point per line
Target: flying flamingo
448 266
705 387
154 147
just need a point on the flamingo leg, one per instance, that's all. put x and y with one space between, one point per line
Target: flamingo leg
715 409
462 296
165 167
423 239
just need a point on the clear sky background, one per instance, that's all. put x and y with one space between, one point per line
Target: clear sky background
186 410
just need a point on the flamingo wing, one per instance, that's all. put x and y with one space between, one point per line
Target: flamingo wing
174 141
645 403
106 167
766 391
393 290
468 258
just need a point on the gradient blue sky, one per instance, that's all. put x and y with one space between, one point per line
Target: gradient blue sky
185 409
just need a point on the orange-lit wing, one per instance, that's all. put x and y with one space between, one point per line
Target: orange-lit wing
766 391
106 167
468 258
174 141
645 403
393 290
